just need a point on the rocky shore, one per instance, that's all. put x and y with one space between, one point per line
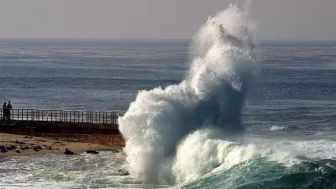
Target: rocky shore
22 145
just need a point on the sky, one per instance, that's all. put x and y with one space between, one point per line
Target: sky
160 19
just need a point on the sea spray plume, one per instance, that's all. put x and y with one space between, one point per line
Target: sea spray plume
212 95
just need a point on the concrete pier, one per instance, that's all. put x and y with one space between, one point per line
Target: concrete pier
67 124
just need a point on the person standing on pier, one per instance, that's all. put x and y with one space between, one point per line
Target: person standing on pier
4 111
9 108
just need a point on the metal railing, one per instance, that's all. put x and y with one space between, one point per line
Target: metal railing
63 116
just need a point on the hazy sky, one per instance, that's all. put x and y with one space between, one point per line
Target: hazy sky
118 19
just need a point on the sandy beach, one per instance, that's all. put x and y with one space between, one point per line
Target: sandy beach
22 145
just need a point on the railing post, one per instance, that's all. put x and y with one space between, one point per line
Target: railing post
112 118
104 118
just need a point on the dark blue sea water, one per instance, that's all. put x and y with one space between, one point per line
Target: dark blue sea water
290 106
295 85
94 75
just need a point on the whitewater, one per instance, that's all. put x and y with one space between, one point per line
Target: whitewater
235 114
193 130
177 134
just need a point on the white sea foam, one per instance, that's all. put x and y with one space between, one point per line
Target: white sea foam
211 95
204 151
277 128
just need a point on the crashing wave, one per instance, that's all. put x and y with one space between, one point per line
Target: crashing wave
181 132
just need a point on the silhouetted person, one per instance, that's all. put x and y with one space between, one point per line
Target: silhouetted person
4 111
9 108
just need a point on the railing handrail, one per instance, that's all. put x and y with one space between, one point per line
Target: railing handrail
52 115
114 111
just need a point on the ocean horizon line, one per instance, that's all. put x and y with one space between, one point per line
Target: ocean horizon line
261 41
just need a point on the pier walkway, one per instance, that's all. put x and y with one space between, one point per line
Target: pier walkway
68 116
87 126
53 120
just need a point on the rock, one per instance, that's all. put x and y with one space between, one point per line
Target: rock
49 148
114 151
123 172
18 151
92 152
10 147
19 142
37 148
3 150
25 148
68 152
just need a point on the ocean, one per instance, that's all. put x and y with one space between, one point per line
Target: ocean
286 118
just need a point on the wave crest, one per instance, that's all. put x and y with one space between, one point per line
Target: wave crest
212 95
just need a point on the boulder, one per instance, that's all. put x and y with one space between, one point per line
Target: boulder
19 142
114 151
92 152
3 150
123 172
25 148
10 147
37 148
69 152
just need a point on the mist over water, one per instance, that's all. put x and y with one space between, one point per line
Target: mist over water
181 132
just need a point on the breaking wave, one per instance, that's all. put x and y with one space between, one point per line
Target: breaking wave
182 132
